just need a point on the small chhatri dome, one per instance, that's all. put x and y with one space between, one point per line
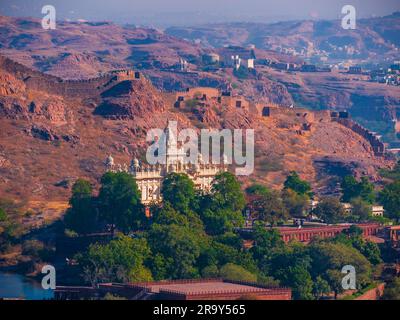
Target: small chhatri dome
135 163
110 161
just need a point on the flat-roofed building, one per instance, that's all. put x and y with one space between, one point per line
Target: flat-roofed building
193 289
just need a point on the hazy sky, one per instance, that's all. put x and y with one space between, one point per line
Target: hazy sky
178 12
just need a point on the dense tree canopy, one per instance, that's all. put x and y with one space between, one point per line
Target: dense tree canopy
191 235
179 190
270 208
81 216
352 188
257 190
227 192
178 248
328 259
292 268
330 210
232 271
121 260
392 290
119 201
3 215
221 211
390 199
296 203
267 243
296 184
361 210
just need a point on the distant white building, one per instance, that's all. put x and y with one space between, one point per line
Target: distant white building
378 211
238 56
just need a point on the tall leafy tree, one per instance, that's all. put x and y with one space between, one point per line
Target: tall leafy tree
227 192
389 197
330 210
295 183
361 210
177 249
292 268
392 290
328 259
222 209
352 188
81 216
234 272
367 190
270 208
119 202
121 260
321 287
3 215
179 190
257 190
297 204
168 215
267 243
349 188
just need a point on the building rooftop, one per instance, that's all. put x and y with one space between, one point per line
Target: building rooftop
211 288
192 289
201 286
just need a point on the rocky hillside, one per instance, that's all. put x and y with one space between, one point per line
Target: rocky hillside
374 38
49 138
86 50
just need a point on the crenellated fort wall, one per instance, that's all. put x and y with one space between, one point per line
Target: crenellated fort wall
378 146
38 81
80 88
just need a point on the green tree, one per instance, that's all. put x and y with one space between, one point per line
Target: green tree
81 216
226 192
321 287
168 215
210 271
179 190
367 190
257 190
349 188
330 210
392 290
219 221
328 259
267 243
363 189
292 268
353 238
294 183
119 202
389 197
3 215
270 208
121 260
371 251
177 249
10 229
221 211
361 210
297 204
234 272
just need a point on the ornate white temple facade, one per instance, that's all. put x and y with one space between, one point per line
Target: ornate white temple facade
149 178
